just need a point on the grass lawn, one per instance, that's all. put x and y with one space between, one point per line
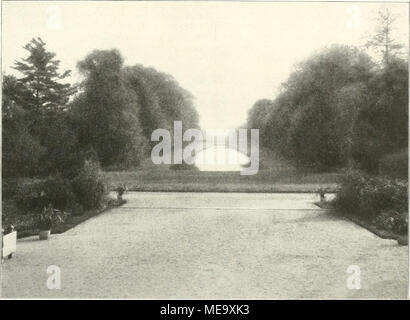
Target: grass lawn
275 175
266 180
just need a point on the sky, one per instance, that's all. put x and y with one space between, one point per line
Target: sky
228 55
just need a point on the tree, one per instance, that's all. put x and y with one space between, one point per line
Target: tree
42 93
348 102
13 91
257 114
161 100
383 40
106 110
301 121
120 106
63 154
34 105
383 119
149 110
21 151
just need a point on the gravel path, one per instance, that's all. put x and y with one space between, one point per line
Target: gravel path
210 245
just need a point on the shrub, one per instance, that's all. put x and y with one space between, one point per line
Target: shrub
377 199
9 188
89 187
393 221
348 198
86 191
382 194
63 155
77 209
58 192
21 152
395 165
30 196
35 195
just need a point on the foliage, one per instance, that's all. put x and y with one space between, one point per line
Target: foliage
77 209
21 151
119 107
120 190
30 197
85 191
395 165
35 195
300 123
257 118
50 217
338 109
89 187
371 198
393 220
12 96
161 99
382 121
8 188
58 192
32 105
63 155
43 92
111 117
102 110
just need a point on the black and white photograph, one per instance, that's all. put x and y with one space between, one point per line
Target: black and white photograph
204 150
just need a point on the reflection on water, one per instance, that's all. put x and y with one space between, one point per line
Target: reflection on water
220 158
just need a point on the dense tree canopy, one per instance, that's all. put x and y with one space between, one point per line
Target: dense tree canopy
119 107
338 108
47 129
161 99
103 109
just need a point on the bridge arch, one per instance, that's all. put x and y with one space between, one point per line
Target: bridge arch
220 157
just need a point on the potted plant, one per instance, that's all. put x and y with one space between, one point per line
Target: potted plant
47 219
120 191
321 193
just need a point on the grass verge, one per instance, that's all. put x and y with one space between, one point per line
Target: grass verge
264 181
